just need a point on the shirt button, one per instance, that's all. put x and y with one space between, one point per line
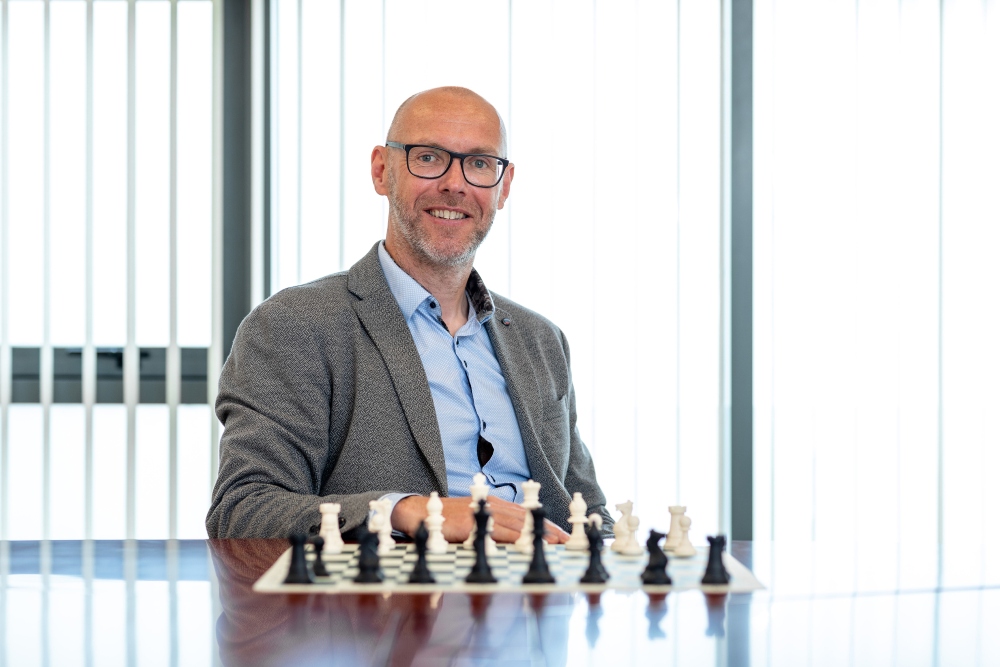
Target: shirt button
434 304
465 362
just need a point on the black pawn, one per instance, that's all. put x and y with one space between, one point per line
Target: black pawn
655 573
298 571
481 572
319 567
369 571
595 574
421 574
716 572
538 571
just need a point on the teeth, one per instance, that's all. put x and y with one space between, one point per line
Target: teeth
447 215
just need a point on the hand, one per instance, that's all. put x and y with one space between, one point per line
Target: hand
508 519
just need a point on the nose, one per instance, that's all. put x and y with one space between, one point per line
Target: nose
453 180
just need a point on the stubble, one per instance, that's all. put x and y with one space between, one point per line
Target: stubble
421 242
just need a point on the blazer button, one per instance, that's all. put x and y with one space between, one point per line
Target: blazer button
506 321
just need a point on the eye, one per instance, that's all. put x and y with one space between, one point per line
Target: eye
426 157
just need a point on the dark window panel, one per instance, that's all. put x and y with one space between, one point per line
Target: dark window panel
194 375
153 375
67 372
26 366
109 375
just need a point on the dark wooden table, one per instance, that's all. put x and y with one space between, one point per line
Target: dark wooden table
189 603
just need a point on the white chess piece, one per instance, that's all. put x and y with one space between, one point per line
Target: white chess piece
491 546
436 544
632 546
685 549
578 517
385 541
526 541
674 536
478 491
329 528
378 523
375 518
621 527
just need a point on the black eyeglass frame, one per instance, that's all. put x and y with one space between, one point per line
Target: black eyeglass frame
451 158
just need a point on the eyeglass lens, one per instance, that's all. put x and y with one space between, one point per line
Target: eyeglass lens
430 162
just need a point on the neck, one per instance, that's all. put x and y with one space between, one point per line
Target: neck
445 283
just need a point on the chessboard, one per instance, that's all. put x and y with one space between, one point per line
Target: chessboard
508 566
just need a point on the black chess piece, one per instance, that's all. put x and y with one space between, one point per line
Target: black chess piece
298 570
538 571
481 572
421 574
369 571
715 572
319 567
595 574
655 573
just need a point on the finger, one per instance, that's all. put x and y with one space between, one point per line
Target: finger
554 534
505 535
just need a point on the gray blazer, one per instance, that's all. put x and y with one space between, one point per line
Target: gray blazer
324 399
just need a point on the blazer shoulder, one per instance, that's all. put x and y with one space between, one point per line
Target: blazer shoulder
538 323
316 299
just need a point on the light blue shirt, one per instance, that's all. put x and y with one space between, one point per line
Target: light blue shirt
469 389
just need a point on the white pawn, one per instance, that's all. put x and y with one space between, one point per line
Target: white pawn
379 523
578 517
385 541
479 491
621 527
526 541
632 546
329 528
491 546
674 535
685 549
436 544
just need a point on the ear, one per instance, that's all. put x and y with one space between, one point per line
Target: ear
380 176
508 176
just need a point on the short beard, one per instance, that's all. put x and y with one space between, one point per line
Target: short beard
411 231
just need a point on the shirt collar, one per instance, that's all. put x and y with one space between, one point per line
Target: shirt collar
410 294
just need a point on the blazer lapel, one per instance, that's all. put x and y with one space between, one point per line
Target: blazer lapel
525 394
380 316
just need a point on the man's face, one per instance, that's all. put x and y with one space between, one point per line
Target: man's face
440 221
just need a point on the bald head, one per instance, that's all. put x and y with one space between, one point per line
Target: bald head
441 103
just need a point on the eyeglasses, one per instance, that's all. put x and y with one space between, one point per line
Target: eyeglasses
482 171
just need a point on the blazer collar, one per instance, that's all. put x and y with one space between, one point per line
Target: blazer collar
382 319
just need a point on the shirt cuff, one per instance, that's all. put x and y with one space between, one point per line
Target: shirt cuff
394 498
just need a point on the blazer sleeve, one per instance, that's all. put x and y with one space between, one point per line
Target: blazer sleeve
274 403
580 474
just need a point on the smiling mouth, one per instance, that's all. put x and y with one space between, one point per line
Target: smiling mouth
447 215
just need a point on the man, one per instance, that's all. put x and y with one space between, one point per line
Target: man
404 375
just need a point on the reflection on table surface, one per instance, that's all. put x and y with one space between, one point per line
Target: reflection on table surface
190 603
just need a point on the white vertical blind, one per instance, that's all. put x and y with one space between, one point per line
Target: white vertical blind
110 108
876 222
106 241
622 250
